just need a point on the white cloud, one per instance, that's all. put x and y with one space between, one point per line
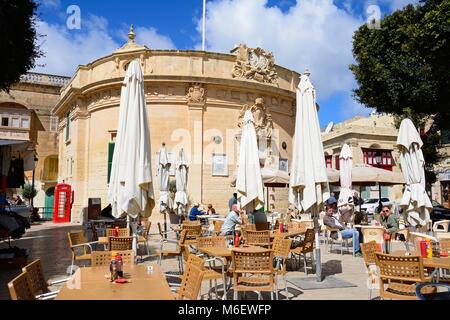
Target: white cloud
50 3
153 40
66 49
312 34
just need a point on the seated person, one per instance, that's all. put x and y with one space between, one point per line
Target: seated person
19 201
389 222
234 218
260 220
330 221
195 211
210 210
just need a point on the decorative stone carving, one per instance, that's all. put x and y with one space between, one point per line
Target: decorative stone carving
255 64
196 94
262 116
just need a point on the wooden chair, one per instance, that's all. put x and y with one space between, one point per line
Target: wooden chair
103 258
21 288
218 227
191 223
164 234
77 240
145 237
178 252
399 276
253 271
281 248
192 233
208 242
39 285
258 238
120 243
245 228
191 283
306 246
123 232
369 251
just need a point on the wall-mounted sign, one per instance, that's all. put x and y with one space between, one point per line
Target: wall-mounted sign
219 165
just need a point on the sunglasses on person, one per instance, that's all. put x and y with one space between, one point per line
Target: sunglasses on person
386 210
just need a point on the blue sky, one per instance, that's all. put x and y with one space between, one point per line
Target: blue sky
314 34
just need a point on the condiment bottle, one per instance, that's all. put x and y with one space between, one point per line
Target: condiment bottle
423 248
236 239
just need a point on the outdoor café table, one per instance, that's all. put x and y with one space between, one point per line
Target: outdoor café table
93 284
434 263
286 235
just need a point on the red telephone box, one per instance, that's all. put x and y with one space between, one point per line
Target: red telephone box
62 205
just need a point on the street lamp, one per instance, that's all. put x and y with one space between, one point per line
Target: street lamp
378 157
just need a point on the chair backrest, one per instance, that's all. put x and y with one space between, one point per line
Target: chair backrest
211 242
248 261
193 231
161 230
441 226
369 250
36 272
76 238
191 223
281 247
258 237
20 288
218 226
305 225
400 268
444 245
123 232
191 283
197 261
373 234
308 241
120 243
103 258
245 228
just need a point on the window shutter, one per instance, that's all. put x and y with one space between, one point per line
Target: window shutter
111 146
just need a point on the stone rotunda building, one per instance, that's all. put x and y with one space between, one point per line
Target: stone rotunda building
196 101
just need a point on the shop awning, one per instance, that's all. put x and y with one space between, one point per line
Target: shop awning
4 142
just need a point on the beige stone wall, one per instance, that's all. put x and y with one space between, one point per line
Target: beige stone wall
93 98
40 94
377 132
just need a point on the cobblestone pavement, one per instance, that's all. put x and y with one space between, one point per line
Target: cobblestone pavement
49 243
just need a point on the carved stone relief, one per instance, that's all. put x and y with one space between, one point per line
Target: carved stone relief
196 93
262 116
255 64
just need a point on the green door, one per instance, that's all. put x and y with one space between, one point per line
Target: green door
49 201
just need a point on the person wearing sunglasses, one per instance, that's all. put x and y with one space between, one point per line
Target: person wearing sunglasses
389 222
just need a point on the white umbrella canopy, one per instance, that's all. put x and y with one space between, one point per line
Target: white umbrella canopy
309 187
309 181
249 185
181 176
130 189
346 166
415 199
163 179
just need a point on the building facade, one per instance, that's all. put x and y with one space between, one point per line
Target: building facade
366 136
26 116
195 101
441 189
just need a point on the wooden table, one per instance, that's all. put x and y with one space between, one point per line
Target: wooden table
91 284
225 252
289 234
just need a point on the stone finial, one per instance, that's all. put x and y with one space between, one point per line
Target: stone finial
131 34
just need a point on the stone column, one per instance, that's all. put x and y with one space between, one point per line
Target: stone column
195 179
